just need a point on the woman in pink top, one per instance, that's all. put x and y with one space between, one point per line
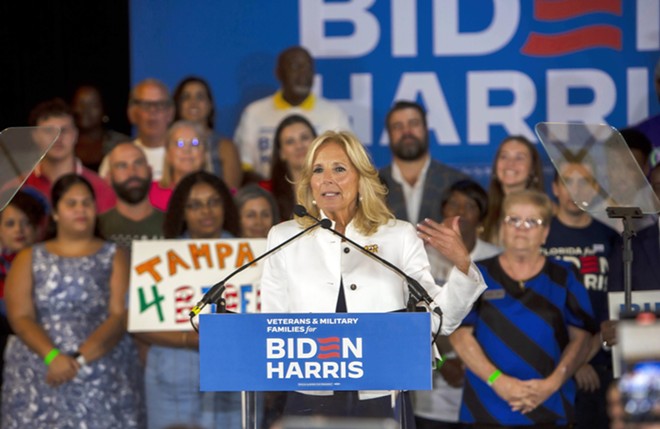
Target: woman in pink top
185 153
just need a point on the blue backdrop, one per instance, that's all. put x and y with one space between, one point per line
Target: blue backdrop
484 69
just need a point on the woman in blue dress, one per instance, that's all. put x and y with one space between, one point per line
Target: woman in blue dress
71 363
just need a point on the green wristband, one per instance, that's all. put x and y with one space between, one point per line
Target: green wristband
50 356
494 376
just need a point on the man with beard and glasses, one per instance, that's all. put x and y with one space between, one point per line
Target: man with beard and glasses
133 218
416 182
259 120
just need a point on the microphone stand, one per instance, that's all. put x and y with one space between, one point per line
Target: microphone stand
626 214
214 295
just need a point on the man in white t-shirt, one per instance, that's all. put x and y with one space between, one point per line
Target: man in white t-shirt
256 128
150 110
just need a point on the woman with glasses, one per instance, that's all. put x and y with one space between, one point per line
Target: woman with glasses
185 153
201 208
527 334
516 167
194 102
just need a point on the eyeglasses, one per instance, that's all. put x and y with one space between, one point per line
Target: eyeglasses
197 205
158 106
191 143
518 222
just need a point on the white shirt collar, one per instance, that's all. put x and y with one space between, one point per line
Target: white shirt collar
412 194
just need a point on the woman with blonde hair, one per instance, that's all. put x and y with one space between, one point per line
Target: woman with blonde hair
340 183
185 153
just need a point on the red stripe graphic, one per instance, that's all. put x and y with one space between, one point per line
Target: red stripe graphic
328 355
589 264
593 36
557 10
331 347
328 347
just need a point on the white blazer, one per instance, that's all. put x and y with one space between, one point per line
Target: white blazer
304 276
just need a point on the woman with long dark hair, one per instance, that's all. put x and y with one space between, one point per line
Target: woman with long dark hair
201 207
194 102
293 137
71 362
516 167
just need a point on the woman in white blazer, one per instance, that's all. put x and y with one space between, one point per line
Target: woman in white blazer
320 274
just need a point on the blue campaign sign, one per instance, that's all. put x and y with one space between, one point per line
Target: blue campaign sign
285 352
484 69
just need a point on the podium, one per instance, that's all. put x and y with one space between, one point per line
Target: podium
377 354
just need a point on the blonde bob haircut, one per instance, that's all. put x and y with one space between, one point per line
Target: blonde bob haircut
372 212
167 179
529 196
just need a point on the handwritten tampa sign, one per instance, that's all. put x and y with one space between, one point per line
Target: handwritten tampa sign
168 277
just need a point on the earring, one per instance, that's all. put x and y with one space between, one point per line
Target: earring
314 202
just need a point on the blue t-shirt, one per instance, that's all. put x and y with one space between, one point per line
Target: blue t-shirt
523 332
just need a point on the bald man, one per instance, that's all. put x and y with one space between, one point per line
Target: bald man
133 218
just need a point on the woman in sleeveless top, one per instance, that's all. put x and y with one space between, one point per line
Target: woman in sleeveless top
71 363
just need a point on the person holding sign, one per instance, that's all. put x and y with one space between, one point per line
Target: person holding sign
528 333
201 207
71 363
321 274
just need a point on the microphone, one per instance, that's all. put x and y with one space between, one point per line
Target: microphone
215 293
300 211
416 290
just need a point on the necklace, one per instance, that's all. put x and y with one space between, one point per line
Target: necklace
514 274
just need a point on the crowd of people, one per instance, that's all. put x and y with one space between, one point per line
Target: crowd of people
521 279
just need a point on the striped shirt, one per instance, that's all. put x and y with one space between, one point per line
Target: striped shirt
523 332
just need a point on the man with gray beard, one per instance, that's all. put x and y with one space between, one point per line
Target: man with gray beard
133 218
416 182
